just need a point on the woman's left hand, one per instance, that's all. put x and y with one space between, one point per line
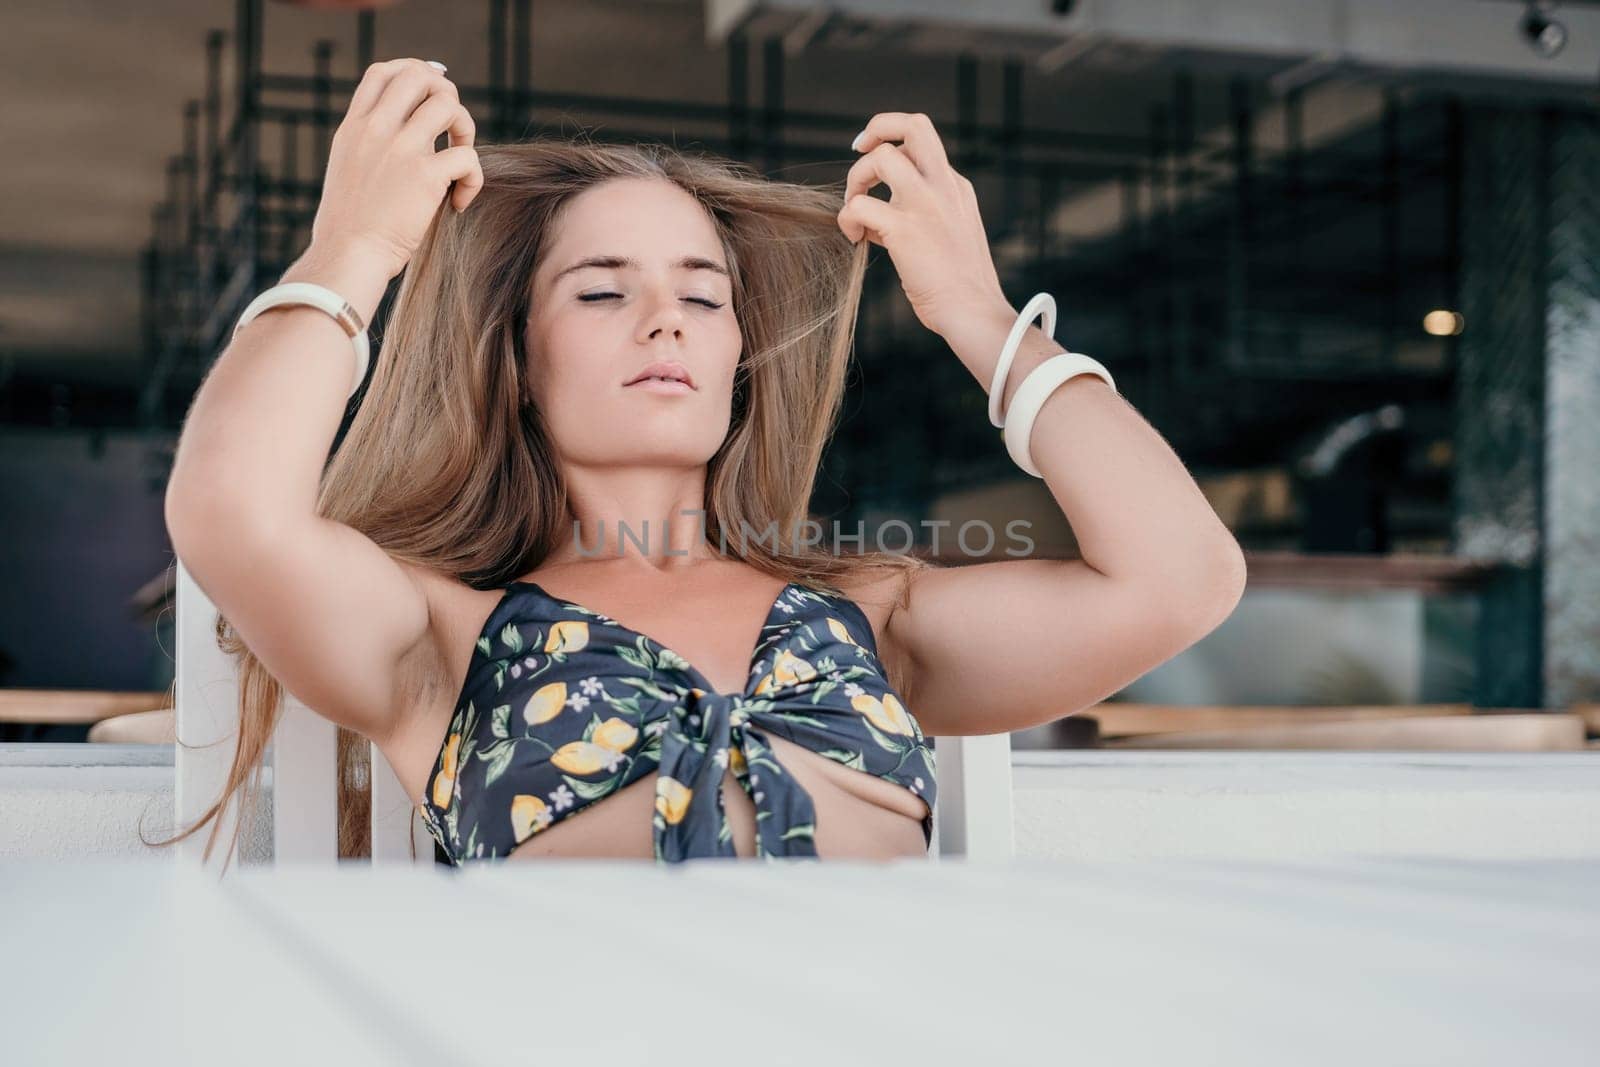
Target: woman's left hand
930 224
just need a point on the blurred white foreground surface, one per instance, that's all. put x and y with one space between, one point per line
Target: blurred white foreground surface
1356 961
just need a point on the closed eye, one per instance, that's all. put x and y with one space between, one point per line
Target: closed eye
590 297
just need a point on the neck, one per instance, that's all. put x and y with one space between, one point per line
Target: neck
651 517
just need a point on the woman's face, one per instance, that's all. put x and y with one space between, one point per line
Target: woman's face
594 327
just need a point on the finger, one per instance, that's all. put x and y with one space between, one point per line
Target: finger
438 114
461 166
867 216
406 90
467 189
464 130
915 132
376 79
373 79
887 164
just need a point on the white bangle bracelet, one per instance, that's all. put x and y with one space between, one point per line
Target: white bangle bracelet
324 299
1041 304
1034 391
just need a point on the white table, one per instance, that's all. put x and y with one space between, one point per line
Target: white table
910 962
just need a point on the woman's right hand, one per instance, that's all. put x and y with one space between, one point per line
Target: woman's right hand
385 181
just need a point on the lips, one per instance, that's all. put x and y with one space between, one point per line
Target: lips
670 369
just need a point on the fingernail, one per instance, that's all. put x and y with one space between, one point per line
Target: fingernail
855 145
436 63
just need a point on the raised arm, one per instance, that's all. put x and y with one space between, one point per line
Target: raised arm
326 610
1006 645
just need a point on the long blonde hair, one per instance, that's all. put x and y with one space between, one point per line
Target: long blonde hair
447 463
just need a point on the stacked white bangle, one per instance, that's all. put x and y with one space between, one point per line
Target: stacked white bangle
1034 391
1041 304
1038 385
325 299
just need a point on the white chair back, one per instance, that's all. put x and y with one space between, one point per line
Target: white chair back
972 813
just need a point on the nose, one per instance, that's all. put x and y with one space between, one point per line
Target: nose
662 312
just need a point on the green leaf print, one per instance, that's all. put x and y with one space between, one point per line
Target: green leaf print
511 637
670 660
627 655
591 726
846 757
644 685
883 742
502 719
806 830
808 720
627 704
484 646
592 790
499 761
822 689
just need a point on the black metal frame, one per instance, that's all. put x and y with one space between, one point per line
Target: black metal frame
1210 367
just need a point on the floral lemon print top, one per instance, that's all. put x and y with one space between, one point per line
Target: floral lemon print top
563 706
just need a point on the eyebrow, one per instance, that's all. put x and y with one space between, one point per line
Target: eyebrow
684 263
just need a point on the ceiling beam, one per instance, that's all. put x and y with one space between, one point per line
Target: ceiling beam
1474 38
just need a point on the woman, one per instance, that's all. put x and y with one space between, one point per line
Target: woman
598 341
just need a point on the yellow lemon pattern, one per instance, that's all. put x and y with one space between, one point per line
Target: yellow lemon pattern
839 630
885 714
545 704
787 669
529 815
445 781
583 757
672 799
616 734
567 637
546 726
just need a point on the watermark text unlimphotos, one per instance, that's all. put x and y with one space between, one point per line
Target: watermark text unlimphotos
975 537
